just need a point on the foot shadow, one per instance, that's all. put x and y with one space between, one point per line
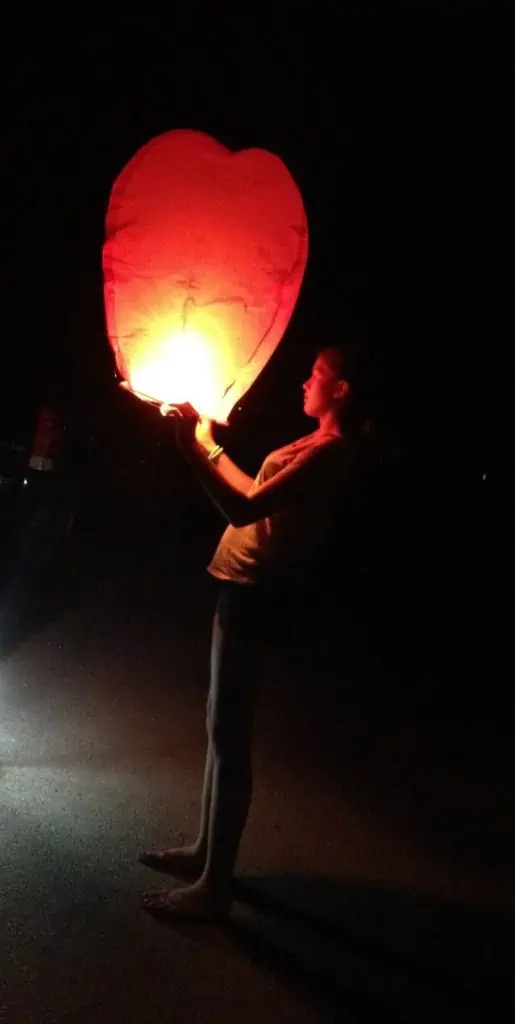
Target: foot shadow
361 951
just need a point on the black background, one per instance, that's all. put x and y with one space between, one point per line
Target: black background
394 121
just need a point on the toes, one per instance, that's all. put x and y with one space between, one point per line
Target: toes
162 904
147 857
171 863
156 898
167 903
151 860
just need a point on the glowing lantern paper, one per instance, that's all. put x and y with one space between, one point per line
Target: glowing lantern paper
203 261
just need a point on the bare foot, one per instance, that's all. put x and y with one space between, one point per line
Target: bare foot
194 903
180 860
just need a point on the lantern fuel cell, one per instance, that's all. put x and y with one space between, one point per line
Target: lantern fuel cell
203 261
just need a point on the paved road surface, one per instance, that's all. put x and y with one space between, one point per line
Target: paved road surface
374 876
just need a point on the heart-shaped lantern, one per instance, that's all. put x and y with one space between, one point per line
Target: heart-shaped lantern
203 261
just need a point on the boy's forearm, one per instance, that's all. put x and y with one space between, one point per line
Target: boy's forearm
229 500
233 475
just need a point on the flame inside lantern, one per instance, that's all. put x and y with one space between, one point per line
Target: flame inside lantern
177 367
203 261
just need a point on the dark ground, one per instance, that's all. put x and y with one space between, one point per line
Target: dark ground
376 870
377 866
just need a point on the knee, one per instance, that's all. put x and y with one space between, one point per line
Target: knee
209 717
230 742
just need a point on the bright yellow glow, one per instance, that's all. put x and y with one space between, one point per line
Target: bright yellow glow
178 366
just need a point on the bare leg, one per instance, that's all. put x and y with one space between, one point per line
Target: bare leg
201 842
210 896
228 777
230 802
189 859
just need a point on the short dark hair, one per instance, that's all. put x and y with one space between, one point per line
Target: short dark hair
348 359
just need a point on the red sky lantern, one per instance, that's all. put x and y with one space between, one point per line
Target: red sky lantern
203 261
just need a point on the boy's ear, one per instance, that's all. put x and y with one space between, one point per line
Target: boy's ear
342 389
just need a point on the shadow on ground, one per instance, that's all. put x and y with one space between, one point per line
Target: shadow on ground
359 950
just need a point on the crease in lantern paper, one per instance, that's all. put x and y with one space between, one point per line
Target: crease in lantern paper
301 231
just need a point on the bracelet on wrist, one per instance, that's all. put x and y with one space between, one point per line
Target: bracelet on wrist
215 453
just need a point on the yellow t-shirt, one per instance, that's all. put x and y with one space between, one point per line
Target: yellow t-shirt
254 553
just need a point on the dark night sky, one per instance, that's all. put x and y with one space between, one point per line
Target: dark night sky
395 126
